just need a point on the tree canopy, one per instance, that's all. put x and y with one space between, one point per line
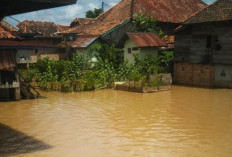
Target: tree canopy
146 23
93 14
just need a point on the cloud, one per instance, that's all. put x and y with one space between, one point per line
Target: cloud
64 15
92 6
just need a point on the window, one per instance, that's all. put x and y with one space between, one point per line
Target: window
129 50
208 41
135 48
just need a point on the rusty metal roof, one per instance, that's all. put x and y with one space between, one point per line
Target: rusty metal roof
84 41
147 39
173 11
220 10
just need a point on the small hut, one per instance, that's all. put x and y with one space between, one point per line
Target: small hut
143 44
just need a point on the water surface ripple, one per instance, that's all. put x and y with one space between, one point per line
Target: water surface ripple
182 122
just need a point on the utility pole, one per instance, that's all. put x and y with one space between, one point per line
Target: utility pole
103 4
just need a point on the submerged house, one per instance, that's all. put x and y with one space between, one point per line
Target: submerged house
112 25
143 44
203 47
10 84
44 33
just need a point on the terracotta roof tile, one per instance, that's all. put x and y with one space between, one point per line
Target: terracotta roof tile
174 11
47 29
80 21
147 39
220 10
6 34
8 26
84 41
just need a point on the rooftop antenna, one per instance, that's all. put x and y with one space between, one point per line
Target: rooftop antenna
103 4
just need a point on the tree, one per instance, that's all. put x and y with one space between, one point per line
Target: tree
93 14
146 23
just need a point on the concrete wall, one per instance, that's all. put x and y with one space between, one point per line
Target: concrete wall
148 51
130 56
143 52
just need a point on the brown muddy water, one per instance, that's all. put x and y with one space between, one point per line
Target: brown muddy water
183 122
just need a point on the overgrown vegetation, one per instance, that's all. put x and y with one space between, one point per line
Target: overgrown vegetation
102 66
82 73
146 23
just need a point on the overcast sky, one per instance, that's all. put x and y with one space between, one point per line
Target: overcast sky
64 15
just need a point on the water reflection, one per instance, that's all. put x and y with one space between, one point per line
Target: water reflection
178 123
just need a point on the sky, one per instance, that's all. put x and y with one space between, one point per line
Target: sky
64 15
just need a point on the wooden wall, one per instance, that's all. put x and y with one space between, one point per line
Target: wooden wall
204 44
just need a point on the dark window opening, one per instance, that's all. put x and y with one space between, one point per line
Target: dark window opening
217 46
129 50
135 48
208 41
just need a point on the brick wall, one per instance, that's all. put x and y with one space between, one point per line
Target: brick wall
193 74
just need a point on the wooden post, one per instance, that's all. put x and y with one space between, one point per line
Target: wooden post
17 95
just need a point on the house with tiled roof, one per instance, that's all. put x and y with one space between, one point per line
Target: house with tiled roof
42 32
10 43
203 49
115 22
112 25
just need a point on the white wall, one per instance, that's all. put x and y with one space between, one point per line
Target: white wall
143 52
129 56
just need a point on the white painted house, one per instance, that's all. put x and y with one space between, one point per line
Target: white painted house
143 44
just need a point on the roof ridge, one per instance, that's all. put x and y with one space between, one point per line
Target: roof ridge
208 11
200 11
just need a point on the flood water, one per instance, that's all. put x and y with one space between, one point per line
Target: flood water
183 122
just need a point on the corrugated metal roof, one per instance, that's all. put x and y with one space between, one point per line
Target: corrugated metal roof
147 39
220 10
84 41
173 11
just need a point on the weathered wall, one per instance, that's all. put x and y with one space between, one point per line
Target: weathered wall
182 45
148 51
116 35
83 51
143 52
205 43
203 55
193 74
130 56
55 54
